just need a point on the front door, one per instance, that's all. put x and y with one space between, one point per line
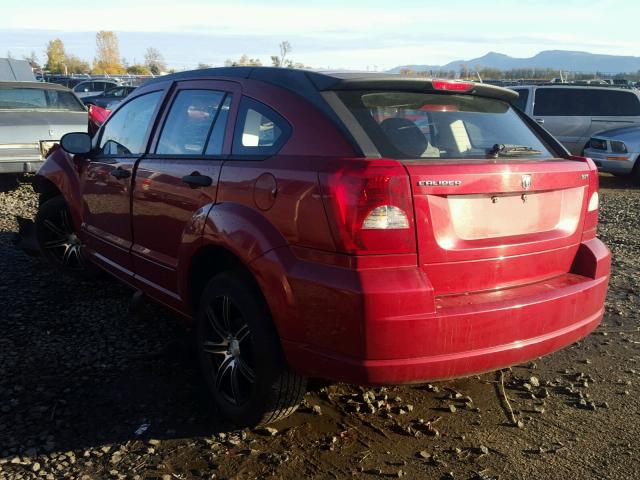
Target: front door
107 183
176 183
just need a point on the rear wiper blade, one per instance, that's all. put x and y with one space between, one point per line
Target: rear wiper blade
501 150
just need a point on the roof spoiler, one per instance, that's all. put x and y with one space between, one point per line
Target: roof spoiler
411 84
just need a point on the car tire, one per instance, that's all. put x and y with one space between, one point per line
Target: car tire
58 241
240 354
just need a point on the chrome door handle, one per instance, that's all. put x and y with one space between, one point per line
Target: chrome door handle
540 121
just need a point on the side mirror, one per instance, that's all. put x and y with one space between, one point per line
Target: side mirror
78 143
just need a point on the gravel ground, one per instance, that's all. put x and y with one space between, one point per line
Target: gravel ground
88 391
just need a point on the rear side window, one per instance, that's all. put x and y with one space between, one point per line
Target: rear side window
259 130
412 125
126 130
521 101
189 123
585 102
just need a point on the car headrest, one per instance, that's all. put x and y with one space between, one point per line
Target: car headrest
405 136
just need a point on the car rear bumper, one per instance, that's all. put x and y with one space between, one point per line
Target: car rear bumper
466 334
21 166
621 163
20 158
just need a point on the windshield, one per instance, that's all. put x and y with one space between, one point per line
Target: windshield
408 125
38 99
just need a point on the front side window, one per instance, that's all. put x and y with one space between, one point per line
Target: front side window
189 122
413 125
259 130
126 130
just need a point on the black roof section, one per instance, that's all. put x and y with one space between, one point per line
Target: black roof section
308 82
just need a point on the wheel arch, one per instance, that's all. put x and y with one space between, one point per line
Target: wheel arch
209 261
57 176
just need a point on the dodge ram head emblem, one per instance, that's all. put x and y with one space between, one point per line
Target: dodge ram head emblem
526 182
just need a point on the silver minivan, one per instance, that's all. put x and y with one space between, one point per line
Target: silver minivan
572 113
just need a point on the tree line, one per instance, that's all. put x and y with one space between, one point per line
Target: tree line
107 59
486 73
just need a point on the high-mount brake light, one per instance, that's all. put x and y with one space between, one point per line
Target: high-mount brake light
370 207
451 86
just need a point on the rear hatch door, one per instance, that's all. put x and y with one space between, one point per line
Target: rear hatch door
483 226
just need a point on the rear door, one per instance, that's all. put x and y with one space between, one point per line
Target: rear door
106 183
176 183
502 225
565 113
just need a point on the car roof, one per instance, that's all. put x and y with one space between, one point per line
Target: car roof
310 82
40 85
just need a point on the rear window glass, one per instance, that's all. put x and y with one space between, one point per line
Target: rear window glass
446 126
585 102
38 99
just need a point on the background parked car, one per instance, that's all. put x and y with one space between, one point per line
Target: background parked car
33 116
573 113
91 88
617 151
110 98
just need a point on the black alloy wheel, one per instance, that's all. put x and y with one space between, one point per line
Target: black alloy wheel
240 353
227 342
59 242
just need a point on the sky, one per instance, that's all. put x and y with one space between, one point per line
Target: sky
336 34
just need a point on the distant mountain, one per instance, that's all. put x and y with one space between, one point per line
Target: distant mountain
556 59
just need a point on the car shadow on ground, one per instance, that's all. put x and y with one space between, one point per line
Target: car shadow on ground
608 181
78 371
9 181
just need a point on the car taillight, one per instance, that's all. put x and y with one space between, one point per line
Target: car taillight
98 115
369 207
590 228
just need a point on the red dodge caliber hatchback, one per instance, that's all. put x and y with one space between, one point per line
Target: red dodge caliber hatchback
367 228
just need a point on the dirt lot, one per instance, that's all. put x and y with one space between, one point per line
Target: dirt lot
88 391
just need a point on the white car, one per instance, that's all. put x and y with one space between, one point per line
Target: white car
90 88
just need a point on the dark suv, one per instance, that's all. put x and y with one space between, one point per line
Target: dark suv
367 228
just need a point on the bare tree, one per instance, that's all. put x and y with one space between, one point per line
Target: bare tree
154 61
281 60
